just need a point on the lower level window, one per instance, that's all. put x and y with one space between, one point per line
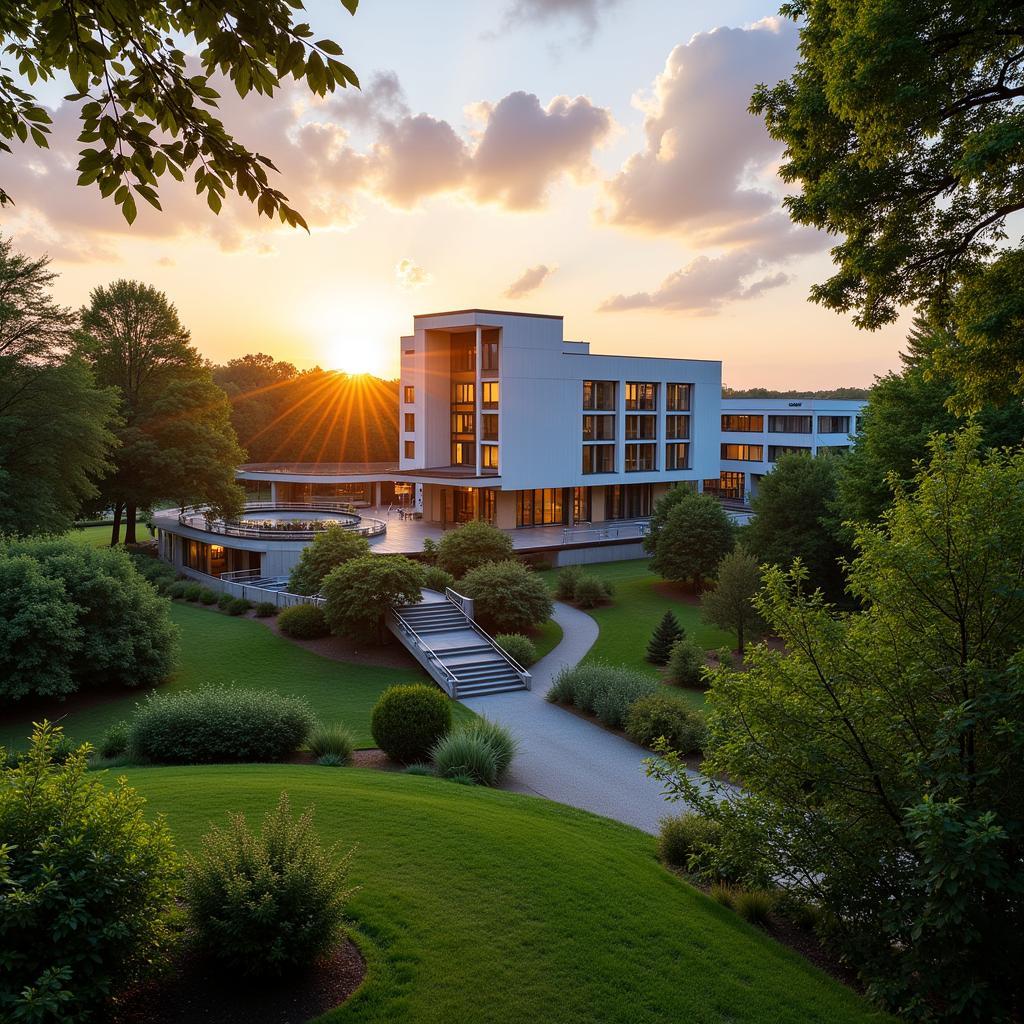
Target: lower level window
544 506
640 458
627 501
776 451
677 455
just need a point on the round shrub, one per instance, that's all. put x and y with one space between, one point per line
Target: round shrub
359 594
407 721
333 740
114 742
269 902
482 750
238 606
208 596
565 583
471 545
686 841
265 609
218 725
224 601
518 647
507 597
303 622
686 663
176 591
84 892
435 578
193 591
660 715
590 591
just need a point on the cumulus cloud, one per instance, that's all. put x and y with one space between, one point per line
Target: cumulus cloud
585 13
410 275
529 281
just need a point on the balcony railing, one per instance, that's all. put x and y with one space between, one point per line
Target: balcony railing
197 517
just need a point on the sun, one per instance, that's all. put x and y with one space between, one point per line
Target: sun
356 356
353 337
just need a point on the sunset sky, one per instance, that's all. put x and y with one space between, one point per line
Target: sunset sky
592 158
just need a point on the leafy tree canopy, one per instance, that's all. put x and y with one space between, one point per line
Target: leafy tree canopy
730 602
690 534
360 592
329 549
146 107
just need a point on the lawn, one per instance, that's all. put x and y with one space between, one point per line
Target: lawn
99 536
218 648
485 906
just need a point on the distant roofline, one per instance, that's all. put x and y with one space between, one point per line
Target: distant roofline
492 312
664 359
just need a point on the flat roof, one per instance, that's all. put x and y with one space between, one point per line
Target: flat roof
492 312
320 468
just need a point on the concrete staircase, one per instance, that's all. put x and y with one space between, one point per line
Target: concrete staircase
457 653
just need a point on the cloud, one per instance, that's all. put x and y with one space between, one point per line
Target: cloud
417 157
530 280
409 275
585 12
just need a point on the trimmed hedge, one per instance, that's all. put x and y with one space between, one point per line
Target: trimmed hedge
407 721
303 622
518 647
265 609
507 597
660 715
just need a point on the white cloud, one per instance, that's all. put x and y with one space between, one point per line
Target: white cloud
529 281
410 275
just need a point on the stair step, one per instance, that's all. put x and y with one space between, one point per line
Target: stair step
485 690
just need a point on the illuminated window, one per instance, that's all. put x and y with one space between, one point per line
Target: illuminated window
599 395
489 456
410 422
743 452
464 393
410 394
743 423
489 351
410 449
462 454
489 395
643 397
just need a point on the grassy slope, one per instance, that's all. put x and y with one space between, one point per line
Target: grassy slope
217 648
99 536
484 906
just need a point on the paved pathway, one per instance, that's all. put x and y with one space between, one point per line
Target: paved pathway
566 758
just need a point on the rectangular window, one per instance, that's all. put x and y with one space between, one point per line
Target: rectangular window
462 423
598 428
599 458
677 397
488 504
743 452
643 428
642 397
409 396
489 456
490 427
490 394
789 424
677 455
640 458
775 450
599 395
463 351
677 428
410 449
742 423
489 351
463 453
728 485
410 422
833 424
464 394
627 501
541 507
581 504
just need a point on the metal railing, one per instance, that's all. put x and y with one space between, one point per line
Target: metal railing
624 531
480 631
426 655
197 517
463 603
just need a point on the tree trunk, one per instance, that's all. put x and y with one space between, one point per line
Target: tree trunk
129 524
115 532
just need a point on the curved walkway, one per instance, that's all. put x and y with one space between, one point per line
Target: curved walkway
566 758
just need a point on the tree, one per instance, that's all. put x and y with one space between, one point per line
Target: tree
471 545
665 635
793 518
359 594
660 513
880 751
901 125
729 604
696 535
507 596
148 102
49 404
329 549
176 438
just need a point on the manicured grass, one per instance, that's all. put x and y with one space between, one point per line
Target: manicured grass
547 638
99 536
494 908
217 648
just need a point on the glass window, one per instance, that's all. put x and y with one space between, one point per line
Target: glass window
489 350
642 396
789 424
728 485
742 423
463 453
775 450
490 425
833 424
627 501
489 456
640 458
410 422
599 458
490 394
462 423
409 394
542 507
677 455
463 350
581 504
599 395
598 428
743 452
410 449
641 427
677 428
677 397
464 394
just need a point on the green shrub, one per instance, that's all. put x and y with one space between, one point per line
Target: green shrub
462 779
193 591
472 545
224 601
659 714
329 548
334 739
435 578
176 591
507 597
217 725
591 591
723 894
84 893
565 582
482 750
688 840
518 647
269 902
407 721
754 905
604 690
114 742
208 596
420 768
359 594
686 663
303 622
332 761
239 606
265 609
665 636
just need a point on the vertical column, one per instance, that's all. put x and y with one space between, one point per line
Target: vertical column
620 426
661 435
273 492
477 400
376 494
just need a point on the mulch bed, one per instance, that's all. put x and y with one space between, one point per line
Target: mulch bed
337 648
196 991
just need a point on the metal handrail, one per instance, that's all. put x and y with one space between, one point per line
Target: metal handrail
229 529
476 627
608 532
429 652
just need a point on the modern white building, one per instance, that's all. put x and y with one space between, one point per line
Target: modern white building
756 431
